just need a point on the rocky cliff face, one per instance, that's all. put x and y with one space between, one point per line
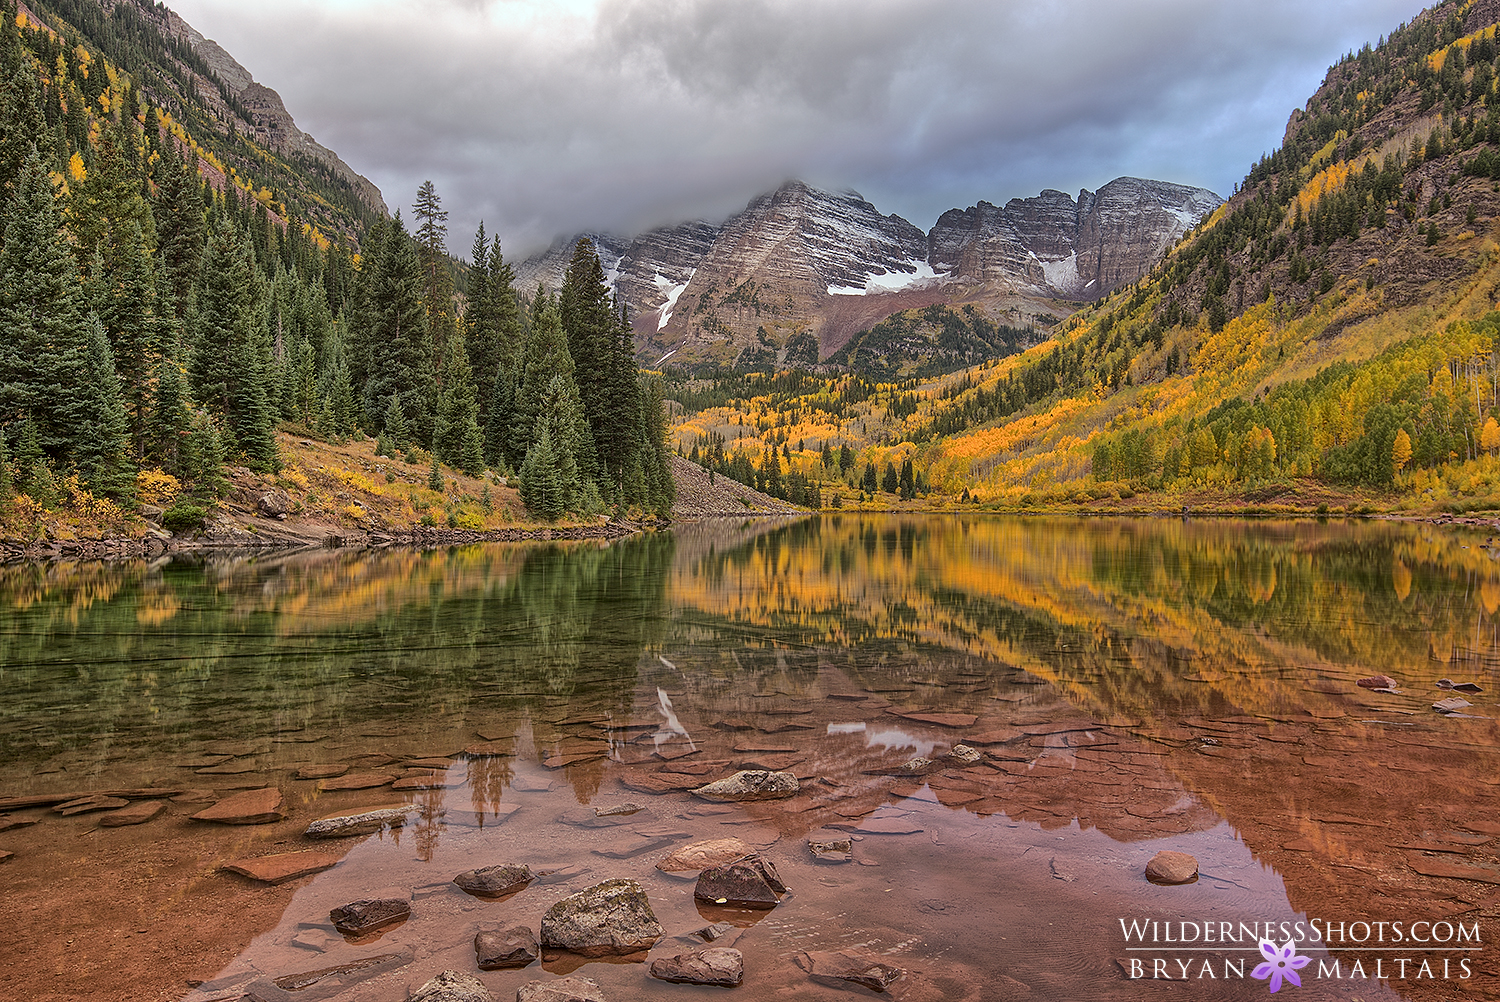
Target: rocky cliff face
1052 246
791 278
272 124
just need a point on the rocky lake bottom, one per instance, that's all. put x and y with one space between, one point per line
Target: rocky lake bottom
1004 723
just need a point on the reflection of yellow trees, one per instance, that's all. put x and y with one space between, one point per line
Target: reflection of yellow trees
1129 608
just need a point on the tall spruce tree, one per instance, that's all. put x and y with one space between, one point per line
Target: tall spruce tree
590 321
437 282
458 440
99 451
23 127
399 338
180 228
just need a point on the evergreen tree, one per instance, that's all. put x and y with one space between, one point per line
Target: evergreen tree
560 419
43 340
335 388
396 430
591 324
400 341
170 417
540 492
180 230
435 477
869 481
908 482
203 458
125 300
437 283
890 481
23 128
458 440
99 452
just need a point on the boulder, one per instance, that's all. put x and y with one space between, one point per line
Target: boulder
570 989
498 949
699 855
836 967
275 505
453 986
719 966
359 918
747 882
751 784
137 813
1168 867
252 807
964 755
363 823
612 918
495 881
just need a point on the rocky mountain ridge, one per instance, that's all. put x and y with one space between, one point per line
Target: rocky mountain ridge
799 271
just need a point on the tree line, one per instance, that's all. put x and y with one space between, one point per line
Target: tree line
155 324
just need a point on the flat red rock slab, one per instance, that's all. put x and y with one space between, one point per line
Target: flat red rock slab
763 746
562 761
1432 866
673 752
321 771
252 807
137 813
357 781
429 763
6 857
280 868
940 719
490 749
234 767
88 804
427 783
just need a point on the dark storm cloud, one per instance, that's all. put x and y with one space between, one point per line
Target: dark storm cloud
549 118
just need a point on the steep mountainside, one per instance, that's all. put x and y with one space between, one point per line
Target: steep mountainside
240 130
800 273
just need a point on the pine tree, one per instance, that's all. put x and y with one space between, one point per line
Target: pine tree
437 283
890 481
396 430
435 477
99 451
907 481
42 335
203 458
170 417
126 302
591 324
458 440
23 128
540 492
335 389
399 338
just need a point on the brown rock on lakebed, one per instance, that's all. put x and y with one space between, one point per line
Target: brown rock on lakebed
718 966
570 989
838 850
364 822
495 881
747 882
320 771
610 918
837 966
284 866
252 807
751 784
452 986
496 950
1168 867
138 813
357 781
359 918
700 855
87 805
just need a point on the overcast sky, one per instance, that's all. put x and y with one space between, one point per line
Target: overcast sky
550 118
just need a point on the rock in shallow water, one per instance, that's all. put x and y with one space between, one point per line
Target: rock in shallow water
611 918
359 918
495 881
719 966
253 807
453 986
747 882
280 868
572 989
836 966
1168 867
362 823
702 854
838 850
751 784
496 950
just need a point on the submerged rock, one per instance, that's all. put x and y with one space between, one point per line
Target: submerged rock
1377 682
453 986
253 807
751 784
718 965
280 868
1168 867
837 850
499 949
611 918
718 930
136 814
617 810
964 755
571 989
363 823
747 882
358 918
837 966
495 881
699 855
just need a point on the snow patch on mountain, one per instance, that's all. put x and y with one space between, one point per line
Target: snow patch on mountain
671 291
895 280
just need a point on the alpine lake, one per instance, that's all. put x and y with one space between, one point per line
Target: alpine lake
1007 718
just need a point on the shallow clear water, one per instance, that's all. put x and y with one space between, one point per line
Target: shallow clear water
1134 685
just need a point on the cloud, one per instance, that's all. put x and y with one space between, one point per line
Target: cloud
546 119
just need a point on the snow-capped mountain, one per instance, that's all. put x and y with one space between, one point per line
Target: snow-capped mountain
799 271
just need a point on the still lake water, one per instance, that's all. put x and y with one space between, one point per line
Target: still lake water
1133 685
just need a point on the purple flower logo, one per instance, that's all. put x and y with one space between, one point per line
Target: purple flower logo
1281 962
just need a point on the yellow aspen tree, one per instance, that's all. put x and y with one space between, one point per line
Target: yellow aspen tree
1489 438
1400 450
